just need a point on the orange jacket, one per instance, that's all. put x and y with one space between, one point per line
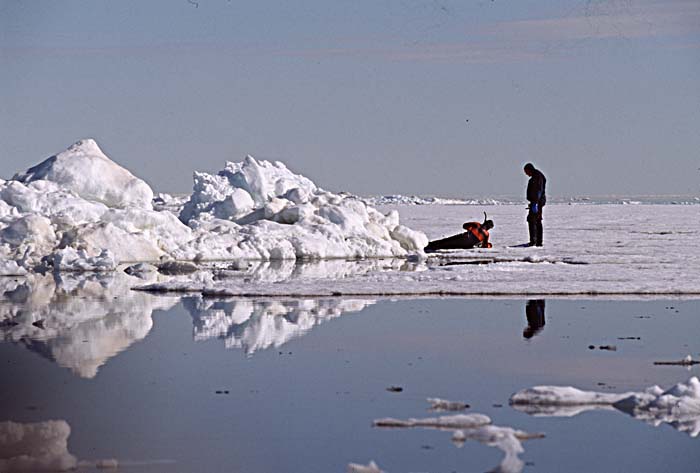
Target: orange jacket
481 234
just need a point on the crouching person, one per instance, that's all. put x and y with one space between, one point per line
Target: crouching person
476 235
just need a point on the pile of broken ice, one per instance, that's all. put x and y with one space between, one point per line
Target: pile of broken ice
80 211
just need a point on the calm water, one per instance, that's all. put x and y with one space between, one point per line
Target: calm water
300 382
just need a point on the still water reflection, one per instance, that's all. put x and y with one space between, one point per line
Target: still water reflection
297 383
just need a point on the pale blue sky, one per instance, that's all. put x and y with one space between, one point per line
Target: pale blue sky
365 96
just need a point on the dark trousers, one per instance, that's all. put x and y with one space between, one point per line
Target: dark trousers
464 240
534 223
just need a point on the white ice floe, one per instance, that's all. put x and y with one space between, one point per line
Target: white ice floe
678 406
80 211
457 421
437 404
474 427
371 467
253 326
78 321
39 446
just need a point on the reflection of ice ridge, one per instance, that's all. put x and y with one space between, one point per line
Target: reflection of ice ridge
77 320
257 325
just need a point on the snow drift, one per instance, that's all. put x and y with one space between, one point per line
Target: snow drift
80 211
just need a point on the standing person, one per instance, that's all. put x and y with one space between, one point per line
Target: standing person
536 197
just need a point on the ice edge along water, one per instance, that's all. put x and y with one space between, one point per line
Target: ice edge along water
78 210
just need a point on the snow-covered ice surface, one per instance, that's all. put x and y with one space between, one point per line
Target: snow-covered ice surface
80 211
589 250
678 406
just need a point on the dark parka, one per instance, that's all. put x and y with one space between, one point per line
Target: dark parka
535 188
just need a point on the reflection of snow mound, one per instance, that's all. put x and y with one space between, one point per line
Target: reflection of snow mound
678 406
79 322
79 211
257 325
40 446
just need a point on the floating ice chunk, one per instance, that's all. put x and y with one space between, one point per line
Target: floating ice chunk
84 169
438 404
474 427
563 396
458 421
39 446
369 468
678 406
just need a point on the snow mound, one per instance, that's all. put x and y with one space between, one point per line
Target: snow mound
262 210
678 406
86 170
80 211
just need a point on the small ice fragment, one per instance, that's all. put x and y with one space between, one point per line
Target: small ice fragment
369 468
176 267
437 404
109 463
458 438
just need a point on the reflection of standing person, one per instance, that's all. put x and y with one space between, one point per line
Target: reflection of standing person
534 311
536 198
